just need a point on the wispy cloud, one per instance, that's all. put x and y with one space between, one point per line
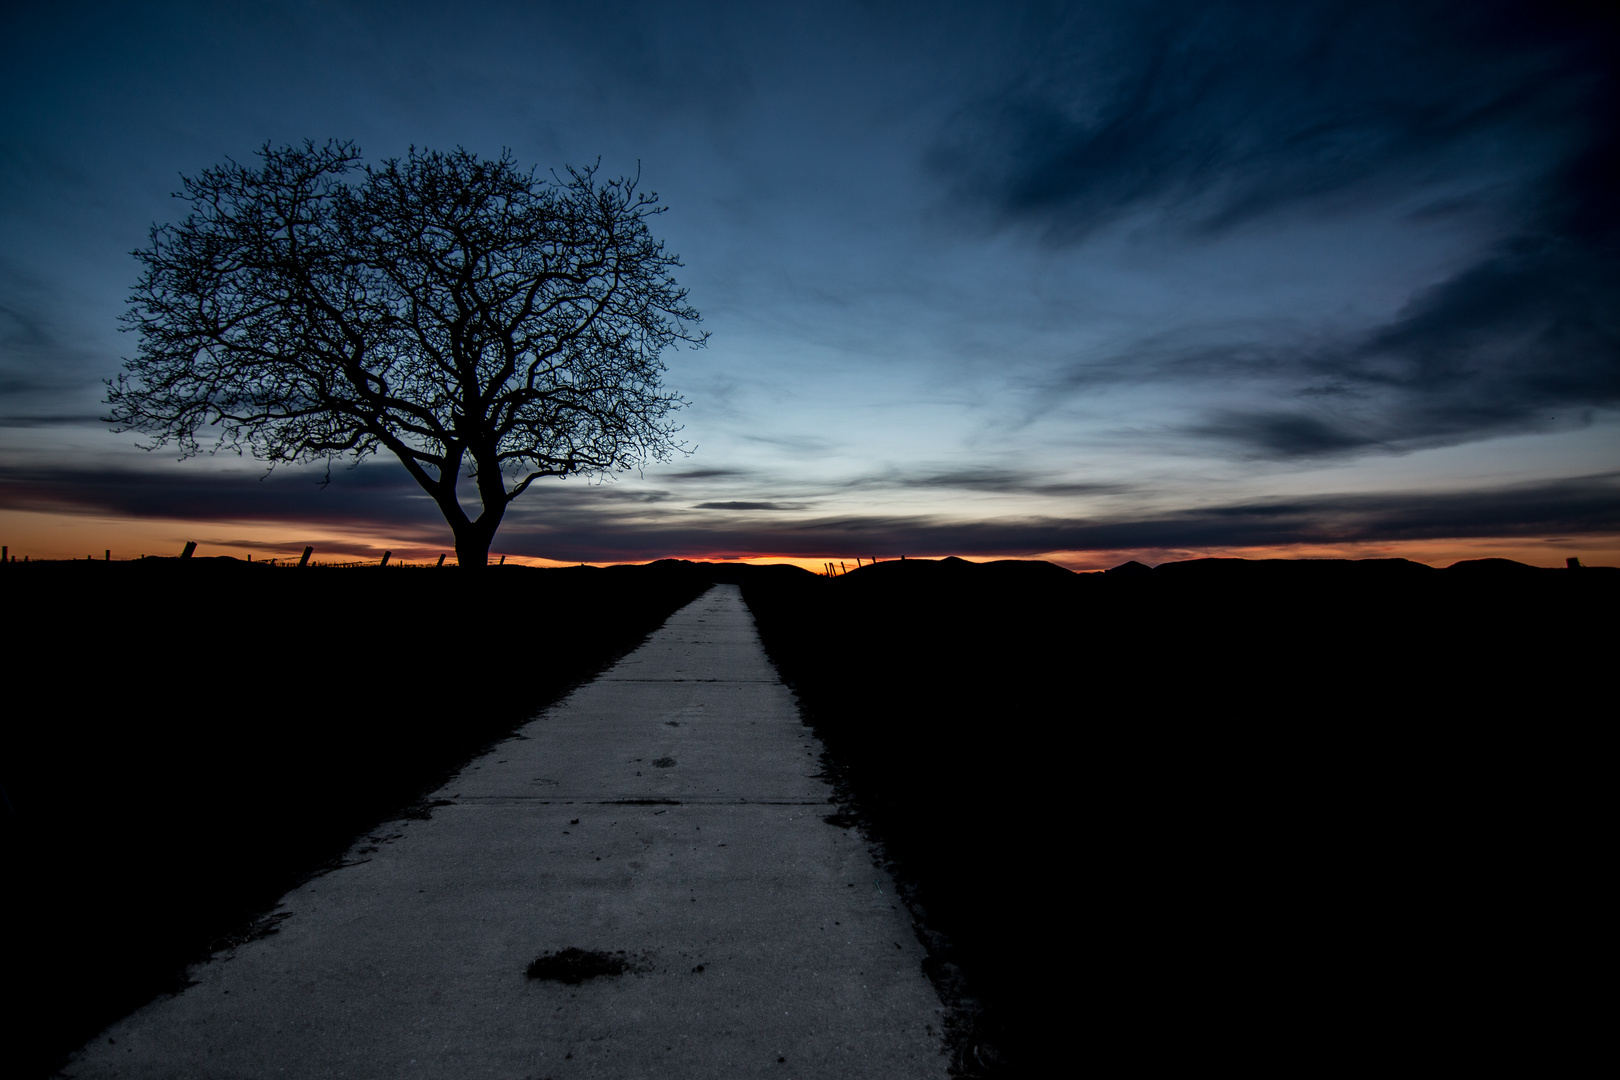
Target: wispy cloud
749 506
369 495
46 420
679 475
1205 118
1215 114
992 479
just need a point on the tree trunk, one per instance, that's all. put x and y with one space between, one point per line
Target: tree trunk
474 538
472 547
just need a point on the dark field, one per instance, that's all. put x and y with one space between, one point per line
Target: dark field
1279 816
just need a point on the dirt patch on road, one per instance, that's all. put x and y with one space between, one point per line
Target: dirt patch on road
574 966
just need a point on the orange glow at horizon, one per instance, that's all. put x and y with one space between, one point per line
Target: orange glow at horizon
43 535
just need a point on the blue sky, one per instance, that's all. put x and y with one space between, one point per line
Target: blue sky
1089 281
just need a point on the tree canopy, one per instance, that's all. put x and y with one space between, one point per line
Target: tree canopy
465 315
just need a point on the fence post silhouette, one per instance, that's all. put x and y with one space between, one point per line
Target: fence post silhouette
441 560
385 557
191 546
304 559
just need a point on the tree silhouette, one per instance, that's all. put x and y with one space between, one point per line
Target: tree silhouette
463 314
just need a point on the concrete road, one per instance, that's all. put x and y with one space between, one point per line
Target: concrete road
668 814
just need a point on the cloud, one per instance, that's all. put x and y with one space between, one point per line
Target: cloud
798 444
1575 506
23 420
376 495
987 478
43 353
1220 113
1207 117
368 497
1283 434
1533 327
1528 335
748 506
704 474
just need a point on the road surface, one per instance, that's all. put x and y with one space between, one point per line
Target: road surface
667 816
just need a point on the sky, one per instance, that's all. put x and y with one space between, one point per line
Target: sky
1083 281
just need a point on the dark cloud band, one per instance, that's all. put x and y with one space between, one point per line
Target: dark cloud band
579 524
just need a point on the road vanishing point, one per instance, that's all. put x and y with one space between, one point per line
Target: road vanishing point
666 819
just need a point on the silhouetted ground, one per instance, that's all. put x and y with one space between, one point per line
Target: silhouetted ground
1279 815
1274 815
185 741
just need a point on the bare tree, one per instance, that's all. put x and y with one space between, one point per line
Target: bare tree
463 314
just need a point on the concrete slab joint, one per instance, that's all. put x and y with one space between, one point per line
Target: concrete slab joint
642 885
